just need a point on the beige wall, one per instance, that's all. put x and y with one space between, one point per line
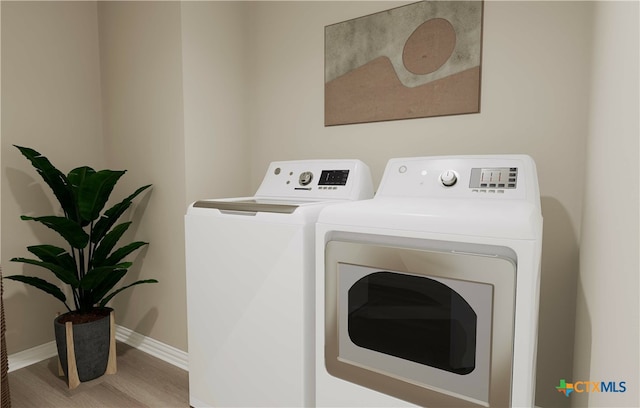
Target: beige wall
607 340
50 102
141 67
215 65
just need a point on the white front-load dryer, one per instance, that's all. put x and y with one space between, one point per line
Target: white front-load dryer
250 276
428 293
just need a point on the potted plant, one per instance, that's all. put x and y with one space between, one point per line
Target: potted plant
90 268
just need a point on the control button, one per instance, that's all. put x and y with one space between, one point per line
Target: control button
305 178
500 191
448 178
402 169
277 171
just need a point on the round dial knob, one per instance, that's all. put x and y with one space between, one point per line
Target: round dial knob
305 178
448 178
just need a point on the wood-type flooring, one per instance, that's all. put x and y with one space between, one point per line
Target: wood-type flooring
141 381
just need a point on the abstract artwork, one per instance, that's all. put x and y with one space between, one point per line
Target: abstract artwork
414 61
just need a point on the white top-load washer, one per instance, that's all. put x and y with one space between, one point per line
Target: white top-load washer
428 293
250 276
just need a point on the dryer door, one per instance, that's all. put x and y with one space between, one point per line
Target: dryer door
428 326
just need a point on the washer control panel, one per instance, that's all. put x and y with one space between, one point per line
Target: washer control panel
332 178
329 179
317 179
492 177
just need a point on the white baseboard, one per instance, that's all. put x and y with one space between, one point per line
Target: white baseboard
150 346
31 356
153 347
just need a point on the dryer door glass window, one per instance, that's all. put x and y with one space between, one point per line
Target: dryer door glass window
413 318
420 324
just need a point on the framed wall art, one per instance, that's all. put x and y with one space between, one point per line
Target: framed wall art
414 61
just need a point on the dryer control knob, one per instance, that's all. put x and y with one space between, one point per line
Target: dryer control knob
448 178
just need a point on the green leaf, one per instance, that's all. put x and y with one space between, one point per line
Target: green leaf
69 230
111 215
108 242
54 178
120 253
109 281
41 284
94 192
65 275
76 178
111 295
54 255
95 276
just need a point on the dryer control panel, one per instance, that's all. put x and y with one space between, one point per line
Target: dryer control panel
495 177
499 178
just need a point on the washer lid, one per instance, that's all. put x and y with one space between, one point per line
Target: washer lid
252 205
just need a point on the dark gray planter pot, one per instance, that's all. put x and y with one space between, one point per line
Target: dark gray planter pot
91 346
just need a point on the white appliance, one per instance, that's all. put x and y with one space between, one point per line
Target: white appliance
250 275
428 293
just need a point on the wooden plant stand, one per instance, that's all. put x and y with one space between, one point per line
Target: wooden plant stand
72 369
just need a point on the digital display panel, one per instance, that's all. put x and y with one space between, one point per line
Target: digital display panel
501 177
333 178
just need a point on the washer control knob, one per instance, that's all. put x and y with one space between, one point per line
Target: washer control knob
305 178
448 178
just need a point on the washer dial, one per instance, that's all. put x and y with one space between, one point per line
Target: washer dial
305 178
